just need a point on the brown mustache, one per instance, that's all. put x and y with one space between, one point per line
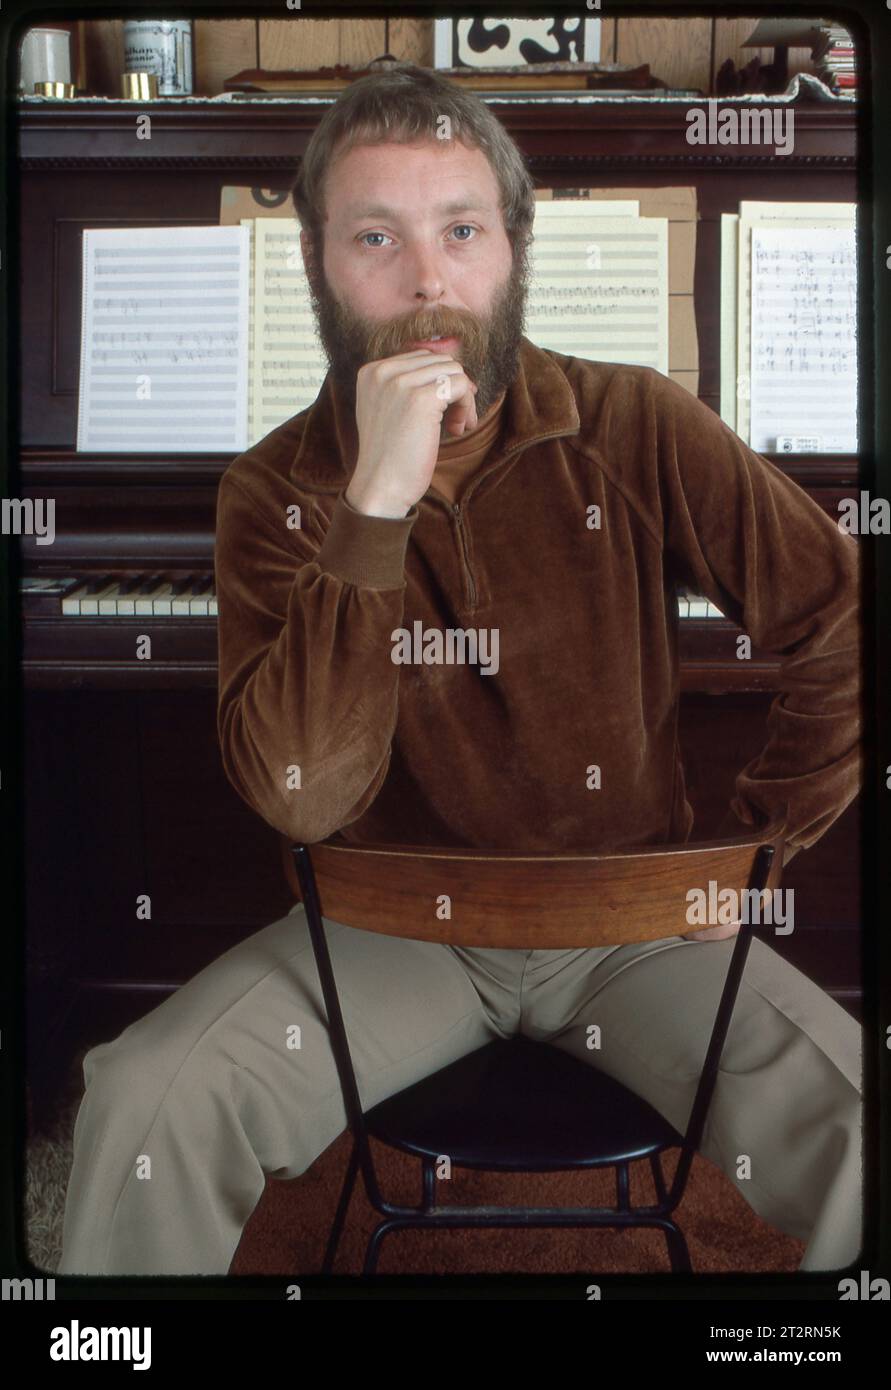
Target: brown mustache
392 338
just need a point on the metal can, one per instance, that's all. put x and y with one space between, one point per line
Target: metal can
164 47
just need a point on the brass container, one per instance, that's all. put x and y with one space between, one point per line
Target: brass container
54 89
139 86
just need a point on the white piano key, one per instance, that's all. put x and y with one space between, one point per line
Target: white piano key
126 602
144 601
179 607
71 604
161 601
89 607
698 608
109 604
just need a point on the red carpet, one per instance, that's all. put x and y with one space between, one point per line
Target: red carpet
288 1230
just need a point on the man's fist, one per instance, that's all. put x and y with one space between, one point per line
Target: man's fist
401 405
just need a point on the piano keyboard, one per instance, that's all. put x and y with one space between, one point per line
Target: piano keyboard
129 596
183 596
692 607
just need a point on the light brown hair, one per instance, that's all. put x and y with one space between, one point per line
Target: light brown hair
404 103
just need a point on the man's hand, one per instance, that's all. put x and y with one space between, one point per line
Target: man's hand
401 403
712 933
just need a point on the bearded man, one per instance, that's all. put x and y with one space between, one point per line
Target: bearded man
452 474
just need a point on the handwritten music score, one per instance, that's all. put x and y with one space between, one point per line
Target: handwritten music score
288 362
803 364
599 283
164 340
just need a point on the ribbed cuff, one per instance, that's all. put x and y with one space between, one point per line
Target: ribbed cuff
368 551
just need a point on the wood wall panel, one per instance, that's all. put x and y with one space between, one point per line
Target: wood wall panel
677 50
104 56
411 40
320 43
223 47
682 52
608 29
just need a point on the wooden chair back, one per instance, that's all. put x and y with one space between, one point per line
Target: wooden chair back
538 901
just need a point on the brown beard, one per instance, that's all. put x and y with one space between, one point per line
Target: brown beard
488 351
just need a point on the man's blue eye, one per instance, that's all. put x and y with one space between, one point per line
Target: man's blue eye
466 226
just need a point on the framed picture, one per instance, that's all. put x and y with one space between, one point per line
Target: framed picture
478 42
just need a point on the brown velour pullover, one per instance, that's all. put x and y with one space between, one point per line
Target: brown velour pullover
494 745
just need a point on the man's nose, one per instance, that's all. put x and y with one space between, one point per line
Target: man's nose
425 272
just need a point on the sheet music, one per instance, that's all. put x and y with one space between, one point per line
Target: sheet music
599 284
289 361
164 340
804 348
248 225
805 216
729 307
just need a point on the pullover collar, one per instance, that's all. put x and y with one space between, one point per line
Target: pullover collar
539 405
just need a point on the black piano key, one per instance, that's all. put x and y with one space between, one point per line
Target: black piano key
152 584
129 585
95 585
180 585
202 584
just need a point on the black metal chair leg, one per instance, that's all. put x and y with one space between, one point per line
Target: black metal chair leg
677 1249
622 1187
658 1179
376 1241
346 1193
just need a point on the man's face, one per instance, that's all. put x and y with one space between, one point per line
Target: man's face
414 247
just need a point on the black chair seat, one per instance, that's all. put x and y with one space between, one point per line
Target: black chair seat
516 1104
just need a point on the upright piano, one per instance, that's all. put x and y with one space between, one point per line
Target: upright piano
124 789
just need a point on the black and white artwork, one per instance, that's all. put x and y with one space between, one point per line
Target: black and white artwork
484 43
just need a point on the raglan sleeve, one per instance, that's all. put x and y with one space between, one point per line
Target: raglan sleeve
308 693
751 540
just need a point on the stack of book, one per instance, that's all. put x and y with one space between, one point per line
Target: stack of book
835 60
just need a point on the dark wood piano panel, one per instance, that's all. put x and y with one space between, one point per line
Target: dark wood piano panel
125 791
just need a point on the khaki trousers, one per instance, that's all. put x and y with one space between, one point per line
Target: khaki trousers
207 1088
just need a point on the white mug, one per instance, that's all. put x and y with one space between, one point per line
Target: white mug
44 56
